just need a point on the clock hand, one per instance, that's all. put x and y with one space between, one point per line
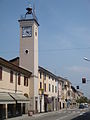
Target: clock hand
27 32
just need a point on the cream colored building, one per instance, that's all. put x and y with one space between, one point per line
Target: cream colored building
14 89
67 93
48 89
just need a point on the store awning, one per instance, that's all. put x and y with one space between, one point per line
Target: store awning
20 98
5 98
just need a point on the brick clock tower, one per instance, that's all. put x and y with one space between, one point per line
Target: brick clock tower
29 52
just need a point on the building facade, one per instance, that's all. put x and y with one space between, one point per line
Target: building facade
48 87
14 90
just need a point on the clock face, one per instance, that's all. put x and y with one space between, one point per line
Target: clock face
27 31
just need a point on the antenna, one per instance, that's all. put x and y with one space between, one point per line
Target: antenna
34 8
34 11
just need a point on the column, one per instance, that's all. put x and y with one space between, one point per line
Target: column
6 108
42 105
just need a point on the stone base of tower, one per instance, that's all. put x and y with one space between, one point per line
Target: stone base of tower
34 99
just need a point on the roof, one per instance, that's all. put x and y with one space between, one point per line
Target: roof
16 62
63 79
47 72
14 67
73 88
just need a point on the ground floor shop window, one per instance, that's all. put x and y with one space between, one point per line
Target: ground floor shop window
11 110
23 112
2 112
18 109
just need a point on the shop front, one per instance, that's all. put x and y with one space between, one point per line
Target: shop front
5 101
12 105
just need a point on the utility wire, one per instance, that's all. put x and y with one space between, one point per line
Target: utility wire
48 50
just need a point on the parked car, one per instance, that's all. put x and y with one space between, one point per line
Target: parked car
81 106
85 105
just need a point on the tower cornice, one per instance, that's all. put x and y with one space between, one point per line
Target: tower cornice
29 20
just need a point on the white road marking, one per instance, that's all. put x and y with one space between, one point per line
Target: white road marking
62 117
82 113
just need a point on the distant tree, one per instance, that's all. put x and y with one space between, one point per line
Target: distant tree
82 100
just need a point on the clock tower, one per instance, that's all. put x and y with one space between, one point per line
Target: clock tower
29 52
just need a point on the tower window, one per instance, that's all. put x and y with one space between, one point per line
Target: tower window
27 51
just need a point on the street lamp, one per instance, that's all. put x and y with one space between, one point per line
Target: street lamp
85 58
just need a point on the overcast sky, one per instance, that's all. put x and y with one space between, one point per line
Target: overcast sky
64 36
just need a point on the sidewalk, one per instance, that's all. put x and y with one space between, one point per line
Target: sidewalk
26 117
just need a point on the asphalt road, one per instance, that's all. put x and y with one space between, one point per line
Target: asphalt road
70 114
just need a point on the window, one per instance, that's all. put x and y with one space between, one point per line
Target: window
49 87
25 81
55 89
11 77
0 73
49 77
45 87
40 75
52 78
44 76
40 84
19 79
52 88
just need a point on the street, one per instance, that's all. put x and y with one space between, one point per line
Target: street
69 114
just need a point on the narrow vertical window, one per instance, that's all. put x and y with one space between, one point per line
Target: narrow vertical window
0 73
19 79
52 88
45 87
40 84
25 81
44 76
11 77
40 75
55 89
49 87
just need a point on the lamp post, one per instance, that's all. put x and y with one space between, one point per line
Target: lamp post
84 79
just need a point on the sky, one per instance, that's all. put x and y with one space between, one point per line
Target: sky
64 36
